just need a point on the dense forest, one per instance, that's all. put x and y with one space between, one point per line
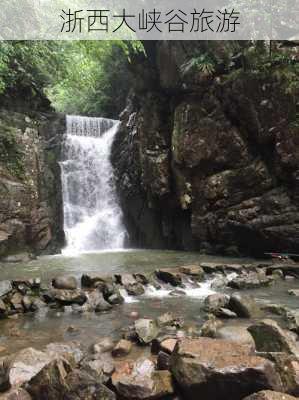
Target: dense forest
85 77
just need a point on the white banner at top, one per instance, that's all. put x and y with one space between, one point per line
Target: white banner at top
149 20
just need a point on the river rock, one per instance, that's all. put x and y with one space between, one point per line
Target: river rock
168 319
5 288
122 348
22 366
238 334
132 286
16 301
250 281
215 301
97 302
16 394
135 289
276 309
244 306
292 317
94 281
270 337
71 351
146 330
116 298
100 365
103 345
219 282
65 282
169 275
220 370
288 368
82 386
269 395
210 327
225 313
140 381
66 297
194 271
49 383
168 345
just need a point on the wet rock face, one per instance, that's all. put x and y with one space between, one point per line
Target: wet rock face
30 192
211 165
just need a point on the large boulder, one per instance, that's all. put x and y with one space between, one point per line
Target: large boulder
23 366
66 297
49 383
244 306
140 381
269 395
65 282
83 386
169 275
146 330
270 337
220 370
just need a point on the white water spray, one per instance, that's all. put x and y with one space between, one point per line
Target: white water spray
92 215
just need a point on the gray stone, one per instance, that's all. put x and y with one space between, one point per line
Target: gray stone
244 306
122 348
65 282
169 275
270 337
215 301
146 330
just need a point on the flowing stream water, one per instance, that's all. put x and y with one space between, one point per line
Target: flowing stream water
92 215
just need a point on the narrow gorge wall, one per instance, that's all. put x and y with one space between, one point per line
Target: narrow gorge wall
209 163
30 185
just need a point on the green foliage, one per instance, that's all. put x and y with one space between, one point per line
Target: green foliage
10 154
79 77
203 64
95 79
29 65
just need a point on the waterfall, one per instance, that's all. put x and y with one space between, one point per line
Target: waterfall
92 215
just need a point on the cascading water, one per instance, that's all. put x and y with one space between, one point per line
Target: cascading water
92 215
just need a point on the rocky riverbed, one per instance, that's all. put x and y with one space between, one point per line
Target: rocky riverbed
233 342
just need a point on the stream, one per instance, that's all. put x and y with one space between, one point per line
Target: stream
45 326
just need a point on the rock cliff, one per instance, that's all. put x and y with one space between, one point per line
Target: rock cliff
30 192
209 161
